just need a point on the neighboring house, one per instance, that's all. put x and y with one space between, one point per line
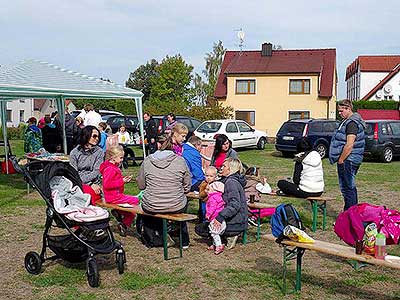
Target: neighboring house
44 107
269 87
374 78
18 111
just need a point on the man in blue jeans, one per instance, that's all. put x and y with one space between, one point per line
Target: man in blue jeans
347 149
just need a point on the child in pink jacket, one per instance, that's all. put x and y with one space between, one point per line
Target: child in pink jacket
113 187
214 205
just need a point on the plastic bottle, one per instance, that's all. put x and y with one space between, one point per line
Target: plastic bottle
380 246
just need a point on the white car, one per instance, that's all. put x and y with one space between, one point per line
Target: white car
239 132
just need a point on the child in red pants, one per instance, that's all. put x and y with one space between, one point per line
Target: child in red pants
113 187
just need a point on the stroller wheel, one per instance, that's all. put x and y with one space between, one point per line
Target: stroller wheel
33 263
92 273
120 260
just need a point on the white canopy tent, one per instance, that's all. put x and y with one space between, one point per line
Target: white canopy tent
36 79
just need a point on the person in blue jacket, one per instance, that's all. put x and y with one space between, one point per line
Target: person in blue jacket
191 154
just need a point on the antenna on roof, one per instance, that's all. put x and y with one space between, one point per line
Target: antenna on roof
240 35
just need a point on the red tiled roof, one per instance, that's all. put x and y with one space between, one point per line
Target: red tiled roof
373 63
317 61
382 83
379 114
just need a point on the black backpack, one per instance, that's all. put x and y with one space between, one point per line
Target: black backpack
150 231
285 214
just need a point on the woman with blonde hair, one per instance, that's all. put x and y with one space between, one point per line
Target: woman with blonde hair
176 139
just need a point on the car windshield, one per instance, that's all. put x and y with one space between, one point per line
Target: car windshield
209 127
292 127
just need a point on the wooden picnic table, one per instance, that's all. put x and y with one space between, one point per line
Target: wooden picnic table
295 250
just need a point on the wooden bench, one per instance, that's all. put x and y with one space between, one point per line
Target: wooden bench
295 250
317 203
176 217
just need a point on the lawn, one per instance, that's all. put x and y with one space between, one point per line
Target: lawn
252 271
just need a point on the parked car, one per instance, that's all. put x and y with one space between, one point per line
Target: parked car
105 114
191 123
131 123
382 139
318 131
239 132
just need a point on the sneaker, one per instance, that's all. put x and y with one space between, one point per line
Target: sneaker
219 249
252 221
170 241
232 241
185 247
122 229
280 193
211 248
116 215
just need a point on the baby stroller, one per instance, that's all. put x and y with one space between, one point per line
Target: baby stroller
83 240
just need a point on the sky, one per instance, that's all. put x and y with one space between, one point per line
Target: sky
110 39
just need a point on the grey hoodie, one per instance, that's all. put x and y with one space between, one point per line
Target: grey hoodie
165 178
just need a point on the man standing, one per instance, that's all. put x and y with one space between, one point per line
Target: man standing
151 133
92 117
347 149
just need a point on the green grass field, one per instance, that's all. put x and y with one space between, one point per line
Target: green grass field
251 271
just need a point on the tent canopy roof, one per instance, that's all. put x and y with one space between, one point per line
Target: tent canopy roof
36 79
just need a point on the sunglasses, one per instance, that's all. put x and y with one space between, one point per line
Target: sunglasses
95 136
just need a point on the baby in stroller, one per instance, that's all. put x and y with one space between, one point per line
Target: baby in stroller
87 231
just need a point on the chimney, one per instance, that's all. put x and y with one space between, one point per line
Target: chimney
266 49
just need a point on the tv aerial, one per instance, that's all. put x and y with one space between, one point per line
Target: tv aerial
240 35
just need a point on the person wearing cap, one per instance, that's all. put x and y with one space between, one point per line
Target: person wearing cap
32 137
347 150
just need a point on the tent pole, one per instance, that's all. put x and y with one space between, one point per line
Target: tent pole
139 112
3 109
61 114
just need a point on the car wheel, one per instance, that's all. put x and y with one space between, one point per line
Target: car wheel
261 143
387 155
322 150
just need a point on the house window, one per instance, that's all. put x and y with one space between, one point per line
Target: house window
248 116
299 86
22 100
9 113
21 115
247 86
299 115
390 97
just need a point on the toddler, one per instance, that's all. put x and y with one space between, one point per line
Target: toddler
215 204
210 176
113 187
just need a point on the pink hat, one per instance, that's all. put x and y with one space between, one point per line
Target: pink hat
217 186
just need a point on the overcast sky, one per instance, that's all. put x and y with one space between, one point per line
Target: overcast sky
112 38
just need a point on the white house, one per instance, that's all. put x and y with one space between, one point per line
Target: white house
18 111
374 78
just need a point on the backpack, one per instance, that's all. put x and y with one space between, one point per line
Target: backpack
150 231
285 214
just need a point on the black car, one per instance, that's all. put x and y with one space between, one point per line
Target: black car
382 139
131 123
191 123
318 131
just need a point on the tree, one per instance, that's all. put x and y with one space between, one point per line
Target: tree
171 89
200 90
141 79
213 67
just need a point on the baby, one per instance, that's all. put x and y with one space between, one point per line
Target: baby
214 205
210 176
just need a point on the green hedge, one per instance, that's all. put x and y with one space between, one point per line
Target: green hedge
384 104
14 133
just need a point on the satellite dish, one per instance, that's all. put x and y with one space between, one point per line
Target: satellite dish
379 94
387 88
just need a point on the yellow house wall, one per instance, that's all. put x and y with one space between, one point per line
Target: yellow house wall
272 101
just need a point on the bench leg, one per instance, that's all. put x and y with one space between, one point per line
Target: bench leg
314 205
165 238
299 259
258 225
323 207
180 239
244 239
290 254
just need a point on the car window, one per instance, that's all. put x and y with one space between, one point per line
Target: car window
329 126
292 127
195 123
243 127
186 122
231 127
316 126
117 121
209 127
395 128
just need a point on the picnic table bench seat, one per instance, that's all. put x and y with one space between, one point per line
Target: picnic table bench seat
174 217
317 203
295 250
